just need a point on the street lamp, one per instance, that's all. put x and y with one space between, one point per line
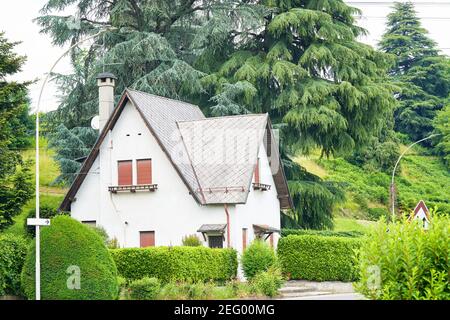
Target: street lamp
38 222
392 188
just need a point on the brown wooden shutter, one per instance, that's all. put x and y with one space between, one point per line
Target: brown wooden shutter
125 169
144 171
244 239
257 171
147 238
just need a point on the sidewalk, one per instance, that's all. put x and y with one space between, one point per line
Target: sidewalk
312 290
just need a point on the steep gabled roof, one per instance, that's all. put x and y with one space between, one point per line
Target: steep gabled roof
184 134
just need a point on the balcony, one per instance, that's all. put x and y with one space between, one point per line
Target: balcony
261 186
134 188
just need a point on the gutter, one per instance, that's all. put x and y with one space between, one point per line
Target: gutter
225 206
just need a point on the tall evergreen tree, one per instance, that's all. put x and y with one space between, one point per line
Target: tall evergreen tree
442 127
15 185
421 73
305 68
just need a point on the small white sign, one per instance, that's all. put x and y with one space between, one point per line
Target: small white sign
38 222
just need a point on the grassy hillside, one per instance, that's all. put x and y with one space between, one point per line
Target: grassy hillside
420 177
50 194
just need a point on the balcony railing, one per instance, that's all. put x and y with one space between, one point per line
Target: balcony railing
134 188
261 186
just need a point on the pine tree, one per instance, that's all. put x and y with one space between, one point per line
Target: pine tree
421 73
442 127
305 68
15 184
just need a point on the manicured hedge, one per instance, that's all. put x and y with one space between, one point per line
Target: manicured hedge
70 249
325 233
176 263
318 258
13 250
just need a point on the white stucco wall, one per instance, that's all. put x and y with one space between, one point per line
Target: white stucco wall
170 211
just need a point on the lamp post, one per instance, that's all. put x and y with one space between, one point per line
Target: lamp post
392 187
37 224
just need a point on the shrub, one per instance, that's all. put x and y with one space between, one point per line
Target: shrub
190 291
67 245
191 241
375 214
13 250
402 261
259 256
144 289
326 233
318 258
268 282
176 263
46 212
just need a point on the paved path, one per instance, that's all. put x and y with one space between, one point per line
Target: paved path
336 296
313 290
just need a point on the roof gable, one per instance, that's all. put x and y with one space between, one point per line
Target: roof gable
185 135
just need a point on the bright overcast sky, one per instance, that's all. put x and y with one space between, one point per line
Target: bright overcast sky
16 21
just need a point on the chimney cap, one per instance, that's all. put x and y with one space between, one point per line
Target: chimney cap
105 75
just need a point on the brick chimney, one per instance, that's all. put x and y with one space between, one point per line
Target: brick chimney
106 83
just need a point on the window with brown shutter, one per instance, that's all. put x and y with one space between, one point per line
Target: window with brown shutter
125 173
257 171
147 239
215 241
144 171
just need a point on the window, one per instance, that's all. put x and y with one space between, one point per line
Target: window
244 239
257 171
215 241
144 171
125 173
91 223
147 239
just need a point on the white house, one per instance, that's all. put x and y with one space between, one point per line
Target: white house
160 171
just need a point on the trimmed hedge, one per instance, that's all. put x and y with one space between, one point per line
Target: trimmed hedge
13 250
325 233
176 263
67 246
258 257
318 258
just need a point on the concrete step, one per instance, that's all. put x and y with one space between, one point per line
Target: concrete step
293 289
288 295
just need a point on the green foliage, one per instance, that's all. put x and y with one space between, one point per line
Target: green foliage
375 214
192 291
145 288
15 185
422 177
69 146
421 74
257 257
268 282
191 241
401 261
46 212
325 233
64 244
442 127
318 258
313 198
176 263
13 250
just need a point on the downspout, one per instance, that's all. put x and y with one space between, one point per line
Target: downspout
225 206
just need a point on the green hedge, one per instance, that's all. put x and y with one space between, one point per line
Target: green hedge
75 264
318 258
325 233
176 263
13 250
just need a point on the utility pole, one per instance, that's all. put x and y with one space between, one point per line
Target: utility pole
37 221
392 186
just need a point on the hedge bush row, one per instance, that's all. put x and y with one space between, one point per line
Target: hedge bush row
318 258
176 263
326 233
13 250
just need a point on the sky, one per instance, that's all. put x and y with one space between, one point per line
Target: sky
16 20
